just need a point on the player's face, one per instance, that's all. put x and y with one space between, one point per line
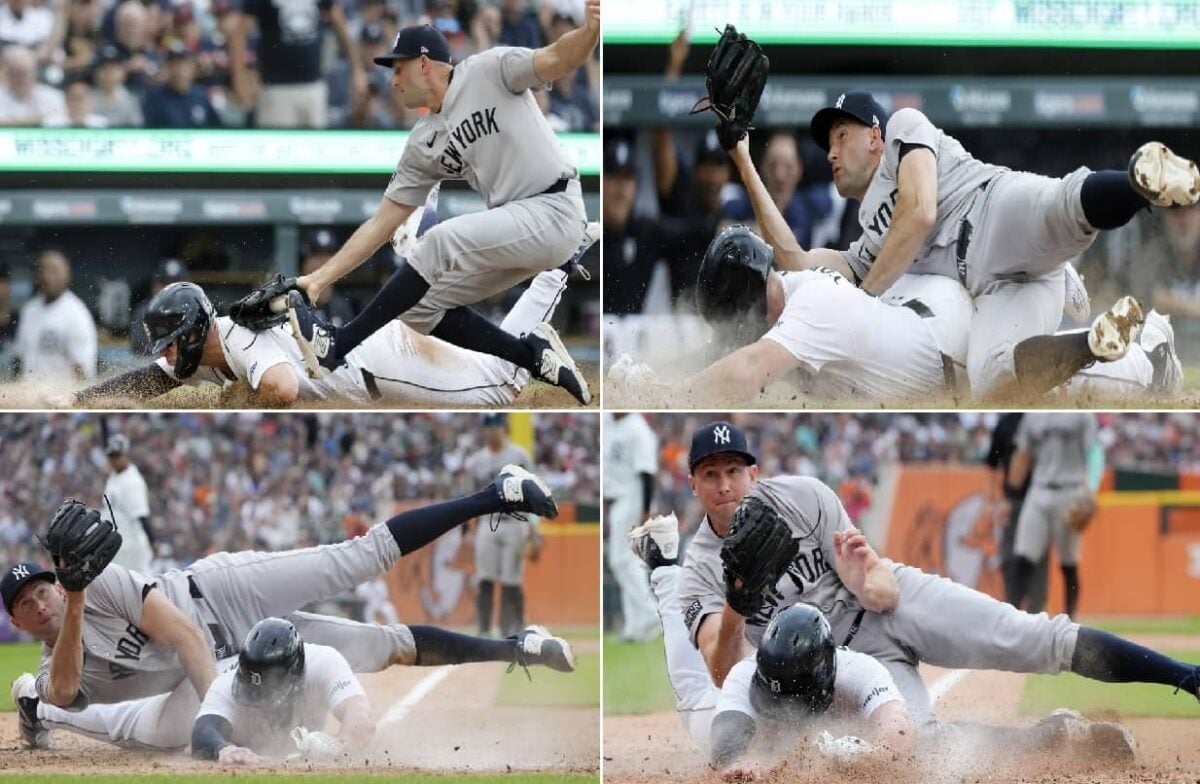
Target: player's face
720 483
38 609
410 82
853 154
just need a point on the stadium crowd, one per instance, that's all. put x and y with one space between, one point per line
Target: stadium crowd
239 63
232 481
847 451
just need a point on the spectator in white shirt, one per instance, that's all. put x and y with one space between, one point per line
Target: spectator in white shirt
23 101
25 22
56 335
78 91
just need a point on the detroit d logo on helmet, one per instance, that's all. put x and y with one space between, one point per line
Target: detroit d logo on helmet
256 679
721 435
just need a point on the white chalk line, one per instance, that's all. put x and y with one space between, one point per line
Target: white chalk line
944 684
397 712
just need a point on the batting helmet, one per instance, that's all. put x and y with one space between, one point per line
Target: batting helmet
181 314
732 285
270 667
797 665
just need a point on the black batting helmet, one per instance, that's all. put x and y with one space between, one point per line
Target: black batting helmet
181 314
732 285
797 664
270 667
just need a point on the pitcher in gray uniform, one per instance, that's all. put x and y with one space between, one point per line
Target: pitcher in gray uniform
484 127
142 652
928 206
500 539
1060 447
896 613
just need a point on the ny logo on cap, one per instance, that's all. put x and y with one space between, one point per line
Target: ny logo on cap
255 679
20 571
838 103
721 434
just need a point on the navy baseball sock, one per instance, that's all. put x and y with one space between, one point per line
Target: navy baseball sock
1071 588
416 528
484 599
437 646
403 290
1106 657
465 328
1022 572
1043 362
1109 201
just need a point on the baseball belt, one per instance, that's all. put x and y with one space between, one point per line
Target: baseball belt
221 645
949 376
964 237
557 187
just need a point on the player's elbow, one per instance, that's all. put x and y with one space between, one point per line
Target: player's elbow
61 696
279 387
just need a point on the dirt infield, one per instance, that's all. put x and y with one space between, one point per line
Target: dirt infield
455 728
644 749
237 396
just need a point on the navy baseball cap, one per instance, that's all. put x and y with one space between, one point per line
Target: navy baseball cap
117 445
495 420
18 577
415 41
709 149
858 105
618 155
719 438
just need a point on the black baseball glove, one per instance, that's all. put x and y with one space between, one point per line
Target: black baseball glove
254 311
80 543
756 552
737 73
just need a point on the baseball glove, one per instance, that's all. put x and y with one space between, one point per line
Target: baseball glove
1080 512
80 543
534 544
737 73
755 553
262 308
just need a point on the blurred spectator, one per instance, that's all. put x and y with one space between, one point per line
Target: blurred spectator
168 271
485 27
80 112
56 335
179 102
1170 263
443 16
23 101
8 316
134 38
629 239
112 100
317 249
782 170
292 92
26 22
519 25
572 106
81 36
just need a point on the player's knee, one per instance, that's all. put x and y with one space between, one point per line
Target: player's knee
990 368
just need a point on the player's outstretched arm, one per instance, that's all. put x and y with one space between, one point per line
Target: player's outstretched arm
66 660
863 572
742 374
913 219
720 641
366 239
570 51
892 730
140 384
165 623
771 224
356 727
210 735
730 736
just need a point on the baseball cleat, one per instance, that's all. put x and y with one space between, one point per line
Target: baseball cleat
535 645
1163 178
591 235
522 491
656 541
24 695
314 337
1078 305
1113 330
1092 740
554 363
1191 683
1158 339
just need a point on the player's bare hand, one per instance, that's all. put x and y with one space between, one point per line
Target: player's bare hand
678 52
744 772
310 287
855 557
591 15
238 755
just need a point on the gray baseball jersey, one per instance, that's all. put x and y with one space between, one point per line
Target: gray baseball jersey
499 553
1059 443
489 132
959 177
814 513
328 682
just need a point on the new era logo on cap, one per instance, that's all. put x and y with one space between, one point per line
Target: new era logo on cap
424 50
417 41
841 100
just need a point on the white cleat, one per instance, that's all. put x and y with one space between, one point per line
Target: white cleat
1158 339
555 365
1078 305
523 491
535 645
1114 329
1164 178
24 696
656 541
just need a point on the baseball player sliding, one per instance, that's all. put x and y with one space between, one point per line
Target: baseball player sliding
765 545
394 365
155 645
799 680
484 127
127 505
